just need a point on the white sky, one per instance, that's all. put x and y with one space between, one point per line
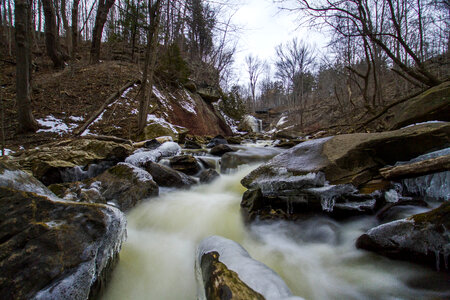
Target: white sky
263 27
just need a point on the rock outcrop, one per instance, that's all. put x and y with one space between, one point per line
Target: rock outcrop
72 160
422 238
432 105
55 249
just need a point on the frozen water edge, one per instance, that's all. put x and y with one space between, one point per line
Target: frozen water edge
255 274
78 284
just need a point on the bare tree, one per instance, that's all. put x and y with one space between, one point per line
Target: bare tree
102 14
75 5
150 59
254 69
27 123
392 37
51 35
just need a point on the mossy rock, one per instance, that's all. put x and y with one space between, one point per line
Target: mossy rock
67 246
222 283
431 105
156 130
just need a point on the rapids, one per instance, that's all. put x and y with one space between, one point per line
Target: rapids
316 257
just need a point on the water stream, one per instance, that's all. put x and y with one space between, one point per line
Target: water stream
315 257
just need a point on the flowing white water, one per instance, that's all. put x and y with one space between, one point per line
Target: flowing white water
316 257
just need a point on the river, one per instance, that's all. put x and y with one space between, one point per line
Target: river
316 257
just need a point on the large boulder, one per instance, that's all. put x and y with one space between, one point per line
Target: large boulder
353 158
432 105
225 270
217 140
72 160
422 238
54 249
208 175
167 177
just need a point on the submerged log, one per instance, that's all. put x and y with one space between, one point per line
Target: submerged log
432 165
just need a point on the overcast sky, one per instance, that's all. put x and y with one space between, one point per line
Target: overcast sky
263 27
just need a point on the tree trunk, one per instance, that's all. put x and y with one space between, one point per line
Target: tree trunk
51 35
428 166
102 14
75 27
150 58
67 31
27 123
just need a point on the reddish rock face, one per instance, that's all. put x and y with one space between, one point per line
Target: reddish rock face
205 122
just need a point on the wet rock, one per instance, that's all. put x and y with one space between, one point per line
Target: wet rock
53 163
220 150
192 145
401 209
225 270
433 104
126 185
423 238
152 144
217 140
12 177
251 155
167 177
123 185
354 158
186 164
208 162
234 140
296 196
54 249
208 175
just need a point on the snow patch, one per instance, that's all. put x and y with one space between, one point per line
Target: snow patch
6 151
188 105
141 156
162 99
55 125
282 121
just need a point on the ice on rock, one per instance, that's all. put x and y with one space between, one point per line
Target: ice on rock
255 274
329 193
141 156
19 180
435 186
285 184
102 251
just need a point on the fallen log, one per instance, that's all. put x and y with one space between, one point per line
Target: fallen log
108 101
428 166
